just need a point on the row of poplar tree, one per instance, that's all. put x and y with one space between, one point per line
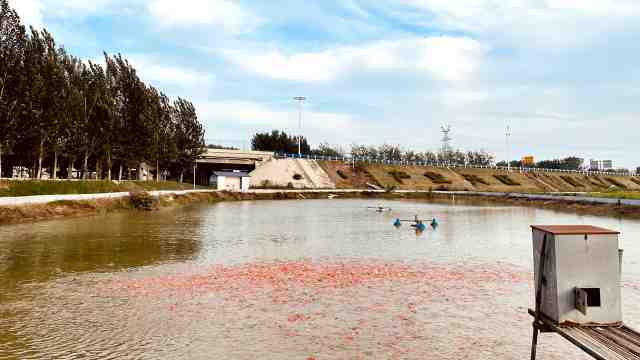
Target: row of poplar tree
58 112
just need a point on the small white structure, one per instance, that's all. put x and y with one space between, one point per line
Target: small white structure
230 180
580 281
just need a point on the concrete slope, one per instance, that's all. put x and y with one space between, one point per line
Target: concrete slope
280 173
316 174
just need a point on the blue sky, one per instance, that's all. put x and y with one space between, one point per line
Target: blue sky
563 74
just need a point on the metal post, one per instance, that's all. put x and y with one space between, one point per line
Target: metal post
300 100
507 135
195 167
540 283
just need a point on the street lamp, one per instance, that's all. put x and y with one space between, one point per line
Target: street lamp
300 100
507 136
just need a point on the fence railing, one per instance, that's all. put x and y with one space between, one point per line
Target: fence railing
440 164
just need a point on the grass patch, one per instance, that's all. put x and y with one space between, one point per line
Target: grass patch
617 194
506 180
615 183
342 175
32 187
436 178
571 181
399 176
474 179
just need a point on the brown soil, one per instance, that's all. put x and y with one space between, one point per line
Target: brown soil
418 180
357 178
529 182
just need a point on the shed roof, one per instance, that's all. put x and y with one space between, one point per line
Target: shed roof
231 174
574 230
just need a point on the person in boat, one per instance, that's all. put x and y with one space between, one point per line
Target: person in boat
397 223
434 223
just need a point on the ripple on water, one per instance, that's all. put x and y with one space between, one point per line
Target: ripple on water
293 309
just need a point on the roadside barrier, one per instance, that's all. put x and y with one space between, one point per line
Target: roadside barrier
445 165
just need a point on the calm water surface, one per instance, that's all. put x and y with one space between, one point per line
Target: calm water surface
61 292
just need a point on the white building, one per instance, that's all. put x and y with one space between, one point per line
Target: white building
601 165
230 180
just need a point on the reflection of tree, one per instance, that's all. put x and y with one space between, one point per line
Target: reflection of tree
37 253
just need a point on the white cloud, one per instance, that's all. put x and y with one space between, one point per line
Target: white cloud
446 58
30 11
228 14
525 22
250 117
151 70
171 78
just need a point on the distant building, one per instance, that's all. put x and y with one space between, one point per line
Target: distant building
528 160
230 180
600 165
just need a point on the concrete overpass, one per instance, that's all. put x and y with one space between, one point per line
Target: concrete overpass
234 157
228 160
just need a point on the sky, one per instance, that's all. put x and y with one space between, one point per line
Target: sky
563 75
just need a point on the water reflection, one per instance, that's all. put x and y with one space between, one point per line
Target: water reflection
49 272
34 253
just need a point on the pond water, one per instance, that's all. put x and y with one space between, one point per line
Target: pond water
316 279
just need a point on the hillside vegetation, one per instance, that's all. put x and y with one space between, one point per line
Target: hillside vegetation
474 179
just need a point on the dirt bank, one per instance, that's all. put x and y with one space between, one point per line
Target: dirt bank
568 206
59 209
140 202
408 177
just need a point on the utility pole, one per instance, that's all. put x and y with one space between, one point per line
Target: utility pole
195 168
300 100
507 136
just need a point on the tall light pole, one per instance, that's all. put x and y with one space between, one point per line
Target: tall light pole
300 100
507 136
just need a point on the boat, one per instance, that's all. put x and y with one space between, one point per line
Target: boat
379 208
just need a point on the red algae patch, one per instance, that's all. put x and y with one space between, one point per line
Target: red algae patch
329 309
319 276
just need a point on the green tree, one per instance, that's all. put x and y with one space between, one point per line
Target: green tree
325 149
279 142
189 135
12 47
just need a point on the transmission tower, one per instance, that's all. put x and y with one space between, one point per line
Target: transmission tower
446 139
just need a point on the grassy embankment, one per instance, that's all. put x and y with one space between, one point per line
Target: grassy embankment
485 180
142 201
28 187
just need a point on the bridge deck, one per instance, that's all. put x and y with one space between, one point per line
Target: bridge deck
601 342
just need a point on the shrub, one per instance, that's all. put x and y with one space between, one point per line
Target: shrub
297 177
142 200
474 179
290 185
506 180
571 181
342 175
615 182
398 176
437 178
